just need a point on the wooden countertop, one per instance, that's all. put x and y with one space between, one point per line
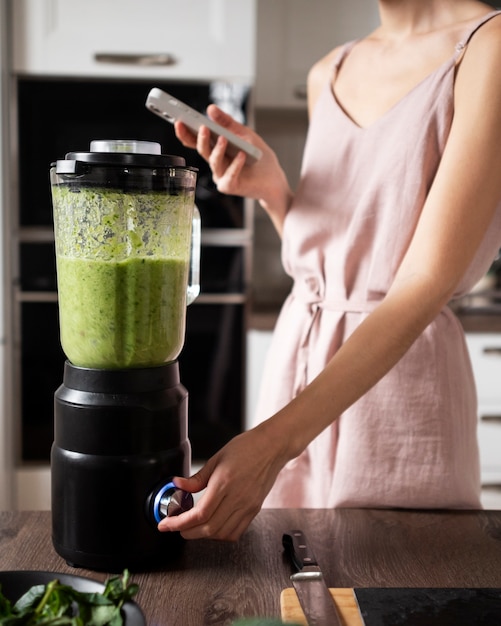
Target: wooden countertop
216 583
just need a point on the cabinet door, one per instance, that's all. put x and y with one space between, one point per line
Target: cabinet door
489 441
294 34
192 39
485 354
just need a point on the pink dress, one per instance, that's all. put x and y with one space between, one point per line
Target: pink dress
411 440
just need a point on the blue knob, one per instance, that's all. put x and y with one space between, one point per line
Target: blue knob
170 501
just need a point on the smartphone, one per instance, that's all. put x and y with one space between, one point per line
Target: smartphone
171 109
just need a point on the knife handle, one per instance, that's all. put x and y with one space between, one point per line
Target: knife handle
296 546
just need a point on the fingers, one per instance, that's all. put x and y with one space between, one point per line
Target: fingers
197 481
215 522
224 119
204 144
229 180
193 484
218 514
227 528
213 153
185 136
194 518
226 171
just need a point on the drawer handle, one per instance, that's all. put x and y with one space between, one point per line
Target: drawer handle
493 350
490 418
492 487
145 60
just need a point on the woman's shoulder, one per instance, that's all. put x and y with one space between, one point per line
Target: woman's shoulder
482 45
485 31
477 85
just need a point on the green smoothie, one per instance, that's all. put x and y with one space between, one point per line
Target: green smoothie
122 314
122 270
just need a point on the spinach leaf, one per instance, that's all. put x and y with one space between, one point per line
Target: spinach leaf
55 604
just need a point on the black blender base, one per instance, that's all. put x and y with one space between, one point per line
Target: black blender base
119 437
117 563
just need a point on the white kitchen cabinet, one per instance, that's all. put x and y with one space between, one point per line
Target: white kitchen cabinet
485 354
293 34
258 344
188 39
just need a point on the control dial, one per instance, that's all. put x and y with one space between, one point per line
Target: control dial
169 501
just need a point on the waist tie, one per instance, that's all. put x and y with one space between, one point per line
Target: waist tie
344 305
306 294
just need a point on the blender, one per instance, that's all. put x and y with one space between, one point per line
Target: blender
127 238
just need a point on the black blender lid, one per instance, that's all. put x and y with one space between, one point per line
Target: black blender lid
119 153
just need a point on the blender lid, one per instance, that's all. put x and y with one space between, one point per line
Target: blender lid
125 145
119 153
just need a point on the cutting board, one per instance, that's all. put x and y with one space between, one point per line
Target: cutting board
345 602
406 606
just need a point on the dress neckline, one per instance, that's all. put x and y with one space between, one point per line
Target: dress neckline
444 67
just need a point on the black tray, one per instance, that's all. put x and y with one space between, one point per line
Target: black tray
429 607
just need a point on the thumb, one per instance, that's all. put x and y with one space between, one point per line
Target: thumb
194 483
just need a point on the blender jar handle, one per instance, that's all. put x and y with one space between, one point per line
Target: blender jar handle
194 276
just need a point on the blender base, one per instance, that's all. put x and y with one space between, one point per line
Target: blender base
116 564
119 436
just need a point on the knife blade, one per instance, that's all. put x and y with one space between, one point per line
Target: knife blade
308 581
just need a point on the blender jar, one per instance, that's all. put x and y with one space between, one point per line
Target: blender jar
125 228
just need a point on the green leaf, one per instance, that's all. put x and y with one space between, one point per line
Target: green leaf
103 615
30 599
55 604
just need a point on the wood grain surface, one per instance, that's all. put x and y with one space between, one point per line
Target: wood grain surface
215 583
344 599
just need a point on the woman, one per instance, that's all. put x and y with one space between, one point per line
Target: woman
368 396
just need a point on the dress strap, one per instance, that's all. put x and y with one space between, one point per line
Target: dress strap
342 54
466 39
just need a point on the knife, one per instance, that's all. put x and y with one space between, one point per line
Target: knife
314 595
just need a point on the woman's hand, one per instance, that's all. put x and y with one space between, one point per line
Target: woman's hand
237 480
263 180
